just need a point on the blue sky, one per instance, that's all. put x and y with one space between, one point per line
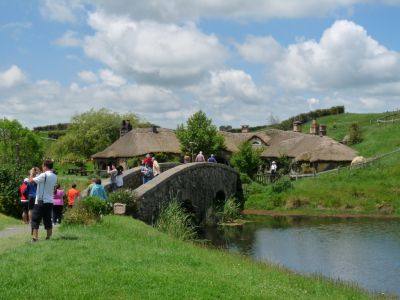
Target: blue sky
239 61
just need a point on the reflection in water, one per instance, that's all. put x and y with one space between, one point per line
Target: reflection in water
365 251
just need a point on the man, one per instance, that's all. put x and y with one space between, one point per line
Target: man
72 194
148 160
273 170
44 199
200 157
98 190
212 159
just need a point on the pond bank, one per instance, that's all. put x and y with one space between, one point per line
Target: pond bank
272 213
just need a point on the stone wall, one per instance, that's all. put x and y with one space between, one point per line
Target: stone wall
197 186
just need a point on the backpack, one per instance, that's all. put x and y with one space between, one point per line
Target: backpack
24 190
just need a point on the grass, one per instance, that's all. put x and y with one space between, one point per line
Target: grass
373 189
6 221
122 258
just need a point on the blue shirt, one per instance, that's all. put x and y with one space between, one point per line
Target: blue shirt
98 191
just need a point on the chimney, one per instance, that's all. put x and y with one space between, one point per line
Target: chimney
245 128
322 130
297 126
314 128
154 129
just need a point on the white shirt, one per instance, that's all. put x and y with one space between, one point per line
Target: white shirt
45 186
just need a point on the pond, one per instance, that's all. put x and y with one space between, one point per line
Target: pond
365 251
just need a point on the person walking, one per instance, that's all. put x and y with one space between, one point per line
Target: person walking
98 190
24 193
147 172
200 157
156 167
212 159
58 204
273 169
72 194
32 186
44 200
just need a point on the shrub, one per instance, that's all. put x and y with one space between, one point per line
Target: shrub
79 216
354 134
133 162
247 160
282 185
124 196
87 211
175 222
231 211
95 205
244 178
9 195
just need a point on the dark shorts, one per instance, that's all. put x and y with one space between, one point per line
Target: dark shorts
42 212
31 202
24 206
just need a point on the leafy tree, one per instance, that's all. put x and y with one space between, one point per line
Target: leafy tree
20 148
247 160
200 134
91 132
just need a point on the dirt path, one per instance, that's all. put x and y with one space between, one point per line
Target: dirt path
13 230
299 214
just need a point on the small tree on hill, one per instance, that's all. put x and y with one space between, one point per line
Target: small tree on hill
200 134
247 160
355 134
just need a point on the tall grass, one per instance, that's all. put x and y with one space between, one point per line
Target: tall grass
174 221
230 211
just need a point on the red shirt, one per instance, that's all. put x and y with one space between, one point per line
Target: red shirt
72 195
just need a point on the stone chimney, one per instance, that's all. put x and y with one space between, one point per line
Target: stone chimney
297 126
245 128
314 129
322 130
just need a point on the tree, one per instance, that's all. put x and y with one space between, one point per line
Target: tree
20 148
355 136
91 132
200 134
247 160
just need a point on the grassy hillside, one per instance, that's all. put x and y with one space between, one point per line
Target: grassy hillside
6 221
377 138
122 258
370 190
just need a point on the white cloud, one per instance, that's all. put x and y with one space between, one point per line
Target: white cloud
153 52
88 76
69 39
345 57
11 77
260 49
178 10
109 78
62 10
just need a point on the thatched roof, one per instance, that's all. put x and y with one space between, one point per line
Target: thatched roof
276 143
140 141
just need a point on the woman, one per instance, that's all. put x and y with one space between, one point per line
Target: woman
58 204
119 179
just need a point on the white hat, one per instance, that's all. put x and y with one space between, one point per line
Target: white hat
273 162
26 179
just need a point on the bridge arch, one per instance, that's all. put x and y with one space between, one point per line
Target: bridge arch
197 186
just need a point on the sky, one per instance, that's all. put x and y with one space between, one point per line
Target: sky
240 61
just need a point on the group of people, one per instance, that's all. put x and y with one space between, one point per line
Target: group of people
116 176
199 158
150 168
42 198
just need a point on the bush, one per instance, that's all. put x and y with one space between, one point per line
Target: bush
87 211
231 211
175 222
245 179
247 160
125 196
9 192
282 185
354 134
133 162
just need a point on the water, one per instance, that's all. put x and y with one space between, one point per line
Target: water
365 251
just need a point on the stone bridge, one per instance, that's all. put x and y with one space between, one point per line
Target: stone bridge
198 187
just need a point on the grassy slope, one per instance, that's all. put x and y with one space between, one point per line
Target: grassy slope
122 258
361 190
6 221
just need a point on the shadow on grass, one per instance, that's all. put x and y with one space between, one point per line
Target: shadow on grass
67 237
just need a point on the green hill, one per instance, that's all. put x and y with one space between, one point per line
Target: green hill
377 138
373 189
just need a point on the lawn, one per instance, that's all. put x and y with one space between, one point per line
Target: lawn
122 258
6 221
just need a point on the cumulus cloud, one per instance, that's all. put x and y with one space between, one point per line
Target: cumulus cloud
109 78
62 10
88 76
260 49
153 52
69 39
11 77
178 10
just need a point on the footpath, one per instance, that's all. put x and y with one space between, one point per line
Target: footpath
14 230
